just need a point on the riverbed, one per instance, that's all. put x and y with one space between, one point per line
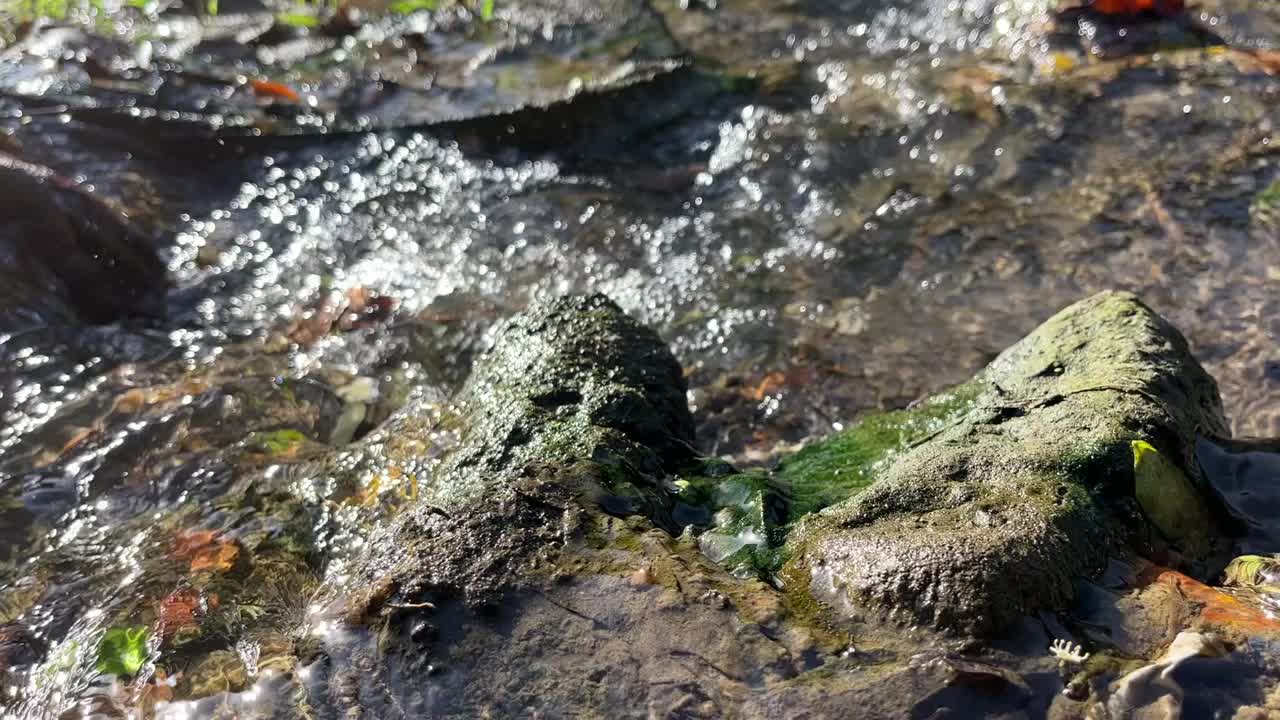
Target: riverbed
825 208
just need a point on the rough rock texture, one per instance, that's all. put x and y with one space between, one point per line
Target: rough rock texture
575 400
989 518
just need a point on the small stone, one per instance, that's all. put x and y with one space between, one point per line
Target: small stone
208 256
641 577
715 599
1077 689
361 389
422 631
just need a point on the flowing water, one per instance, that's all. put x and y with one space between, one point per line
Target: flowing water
825 208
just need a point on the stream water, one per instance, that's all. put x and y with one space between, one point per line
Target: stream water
826 207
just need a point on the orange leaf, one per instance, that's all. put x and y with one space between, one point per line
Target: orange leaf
272 89
1217 608
130 401
221 557
206 550
1266 60
189 542
771 383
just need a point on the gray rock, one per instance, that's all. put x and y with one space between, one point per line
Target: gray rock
990 518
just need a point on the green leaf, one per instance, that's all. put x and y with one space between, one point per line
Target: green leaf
277 442
486 10
123 651
301 20
1171 500
404 7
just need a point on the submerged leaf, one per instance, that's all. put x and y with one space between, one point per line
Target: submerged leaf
278 442
206 550
123 651
219 558
298 19
1269 198
179 611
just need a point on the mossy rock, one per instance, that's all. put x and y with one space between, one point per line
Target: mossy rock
576 402
990 517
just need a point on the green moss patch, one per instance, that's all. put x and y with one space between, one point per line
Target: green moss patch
831 470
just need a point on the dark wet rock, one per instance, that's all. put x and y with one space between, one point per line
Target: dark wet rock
929 685
18 646
991 517
1241 23
508 573
688 642
1243 473
575 398
64 253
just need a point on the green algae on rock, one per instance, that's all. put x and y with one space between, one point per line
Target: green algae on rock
749 521
824 473
990 518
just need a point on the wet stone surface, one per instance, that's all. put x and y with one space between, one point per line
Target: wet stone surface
990 517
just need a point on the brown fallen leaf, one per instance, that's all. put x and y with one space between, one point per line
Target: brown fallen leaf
178 610
1269 60
130 401
220 558
770 384
206 550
